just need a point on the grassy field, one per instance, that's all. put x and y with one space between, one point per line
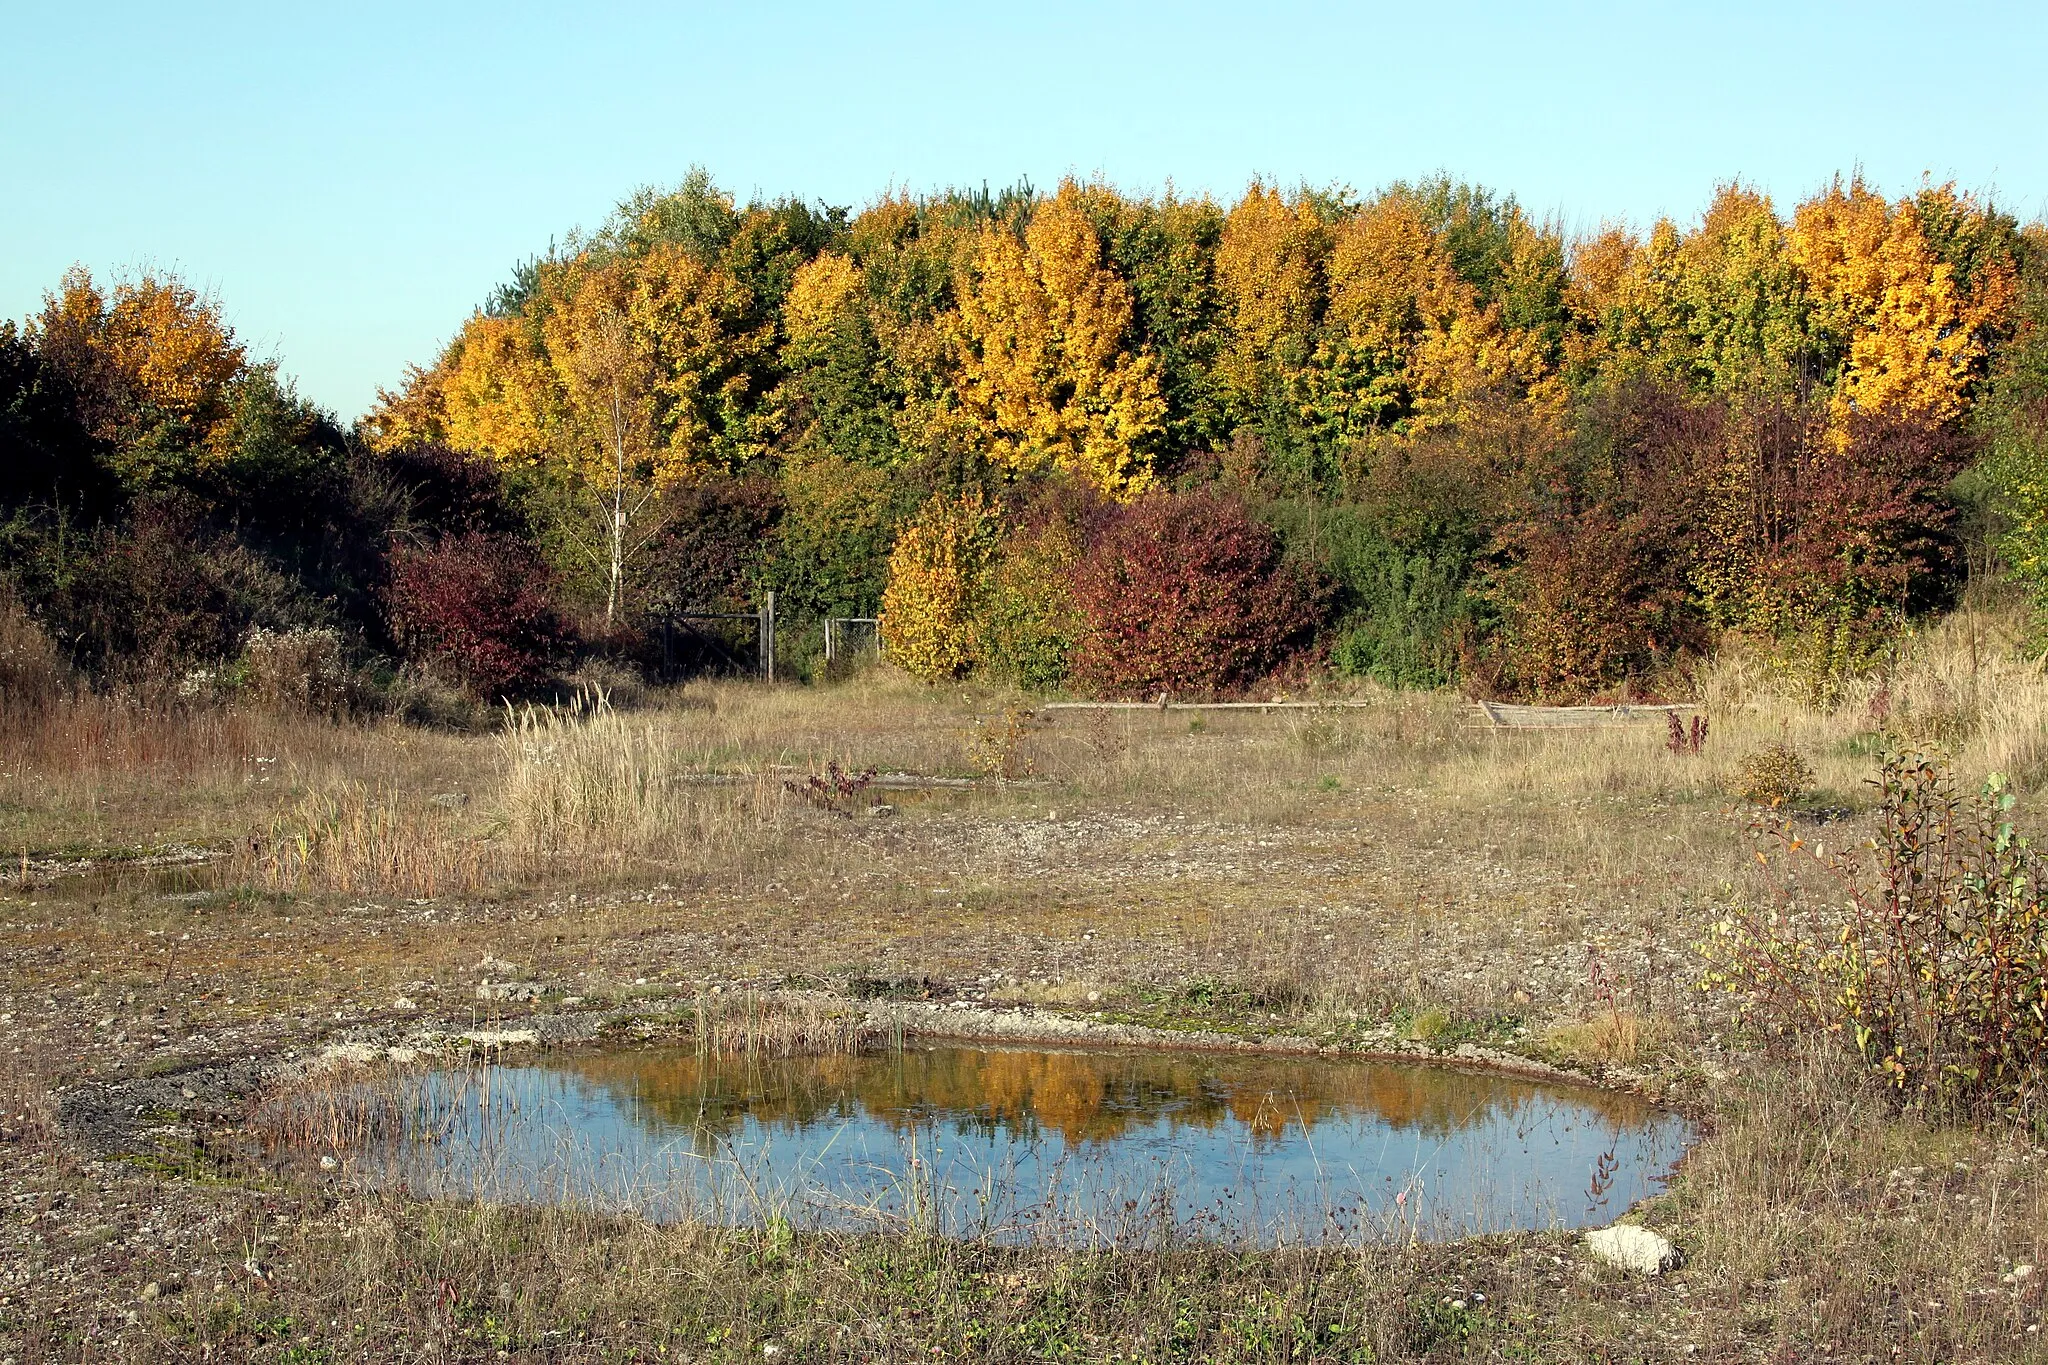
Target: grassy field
186 888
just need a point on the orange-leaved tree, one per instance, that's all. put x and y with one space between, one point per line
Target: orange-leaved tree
151 365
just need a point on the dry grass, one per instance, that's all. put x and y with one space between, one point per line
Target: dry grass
1816 1217
1313 872
1615 1038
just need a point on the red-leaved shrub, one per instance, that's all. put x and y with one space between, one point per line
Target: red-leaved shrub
1188 593
482 606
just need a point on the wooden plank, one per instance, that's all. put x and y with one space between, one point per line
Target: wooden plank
1508 716
1203 705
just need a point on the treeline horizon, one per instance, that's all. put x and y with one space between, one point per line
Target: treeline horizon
1081 439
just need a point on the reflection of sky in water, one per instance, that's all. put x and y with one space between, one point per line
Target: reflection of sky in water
1075 1145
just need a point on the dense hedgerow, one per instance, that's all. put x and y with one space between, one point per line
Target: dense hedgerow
1526 463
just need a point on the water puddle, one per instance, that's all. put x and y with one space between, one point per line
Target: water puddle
1069 1146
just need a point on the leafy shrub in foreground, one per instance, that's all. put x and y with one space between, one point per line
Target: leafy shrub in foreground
937 578
1189 593
480 605
1928 955
1772 775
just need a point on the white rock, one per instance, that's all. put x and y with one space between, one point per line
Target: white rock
347 1054
1628 1247
328 1163
509 1037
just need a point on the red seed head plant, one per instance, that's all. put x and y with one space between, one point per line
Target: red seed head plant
481 605
1188 593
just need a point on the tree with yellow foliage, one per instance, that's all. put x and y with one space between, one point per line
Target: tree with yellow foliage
707 350
152 364
1047 372
610 379
937 576
1269 268
1908 337
498 393
1721 307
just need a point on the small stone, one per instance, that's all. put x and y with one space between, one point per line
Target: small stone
881 812
496 966
189 1093
1635 1249
405 1004
328 1163
151 1292
1094 996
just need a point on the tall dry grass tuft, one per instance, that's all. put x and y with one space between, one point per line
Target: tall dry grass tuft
355 839
32 672
749 1025
582 784
579 793
587 791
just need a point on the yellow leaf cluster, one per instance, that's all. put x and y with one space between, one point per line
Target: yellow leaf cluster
819 297
499 394
937 575
413 415
1912 339
693 320
1385 260
158 341
1269 272
1046 369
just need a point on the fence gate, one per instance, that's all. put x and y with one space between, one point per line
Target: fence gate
681 629
849 636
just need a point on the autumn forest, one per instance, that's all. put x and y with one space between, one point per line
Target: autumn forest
1076 440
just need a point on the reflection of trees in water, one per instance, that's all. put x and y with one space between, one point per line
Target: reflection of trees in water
1083 1096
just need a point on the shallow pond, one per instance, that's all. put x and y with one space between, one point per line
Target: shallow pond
1073 1146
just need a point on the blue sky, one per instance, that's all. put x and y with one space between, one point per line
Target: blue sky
353 179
